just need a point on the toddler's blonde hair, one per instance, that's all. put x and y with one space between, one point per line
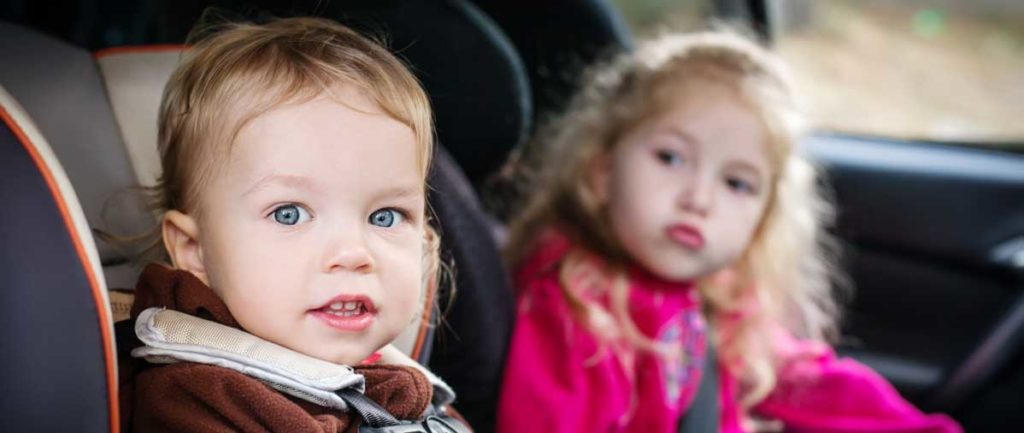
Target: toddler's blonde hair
238 71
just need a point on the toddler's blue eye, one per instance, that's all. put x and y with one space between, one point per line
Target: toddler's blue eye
669 157
386 217
290 215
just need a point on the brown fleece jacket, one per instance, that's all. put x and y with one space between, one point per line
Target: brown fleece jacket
190 397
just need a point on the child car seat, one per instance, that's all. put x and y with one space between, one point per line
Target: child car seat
94 112
58 368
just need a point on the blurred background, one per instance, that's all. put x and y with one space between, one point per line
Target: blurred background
947 70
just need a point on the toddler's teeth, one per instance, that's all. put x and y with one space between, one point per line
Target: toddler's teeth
336 306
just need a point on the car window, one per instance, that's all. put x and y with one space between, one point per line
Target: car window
941 70
913 69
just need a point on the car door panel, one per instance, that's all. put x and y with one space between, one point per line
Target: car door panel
932 244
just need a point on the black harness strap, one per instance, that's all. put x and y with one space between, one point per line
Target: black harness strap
378 420
371 412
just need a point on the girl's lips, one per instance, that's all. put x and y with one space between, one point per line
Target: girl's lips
686 235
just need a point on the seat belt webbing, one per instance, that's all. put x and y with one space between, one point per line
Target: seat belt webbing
368 410
704 413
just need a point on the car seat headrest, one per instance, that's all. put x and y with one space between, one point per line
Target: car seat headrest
134 78
557 41
476 81
61 91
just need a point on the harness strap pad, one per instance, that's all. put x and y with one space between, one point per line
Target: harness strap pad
171 336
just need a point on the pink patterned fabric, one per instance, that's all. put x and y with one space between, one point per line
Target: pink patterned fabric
560 378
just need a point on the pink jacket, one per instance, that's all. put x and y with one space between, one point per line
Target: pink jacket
559 379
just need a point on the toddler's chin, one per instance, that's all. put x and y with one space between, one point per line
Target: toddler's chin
343 354
350 358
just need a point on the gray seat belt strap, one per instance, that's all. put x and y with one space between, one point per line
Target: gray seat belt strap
704 413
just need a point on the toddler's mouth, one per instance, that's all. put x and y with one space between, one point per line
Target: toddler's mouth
347 313
345 309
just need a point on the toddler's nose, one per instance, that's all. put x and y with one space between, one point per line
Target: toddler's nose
349 254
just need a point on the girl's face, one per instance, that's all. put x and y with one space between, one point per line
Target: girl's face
685 190
313 233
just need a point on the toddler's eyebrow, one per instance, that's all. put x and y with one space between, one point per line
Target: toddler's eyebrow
288 180
401 192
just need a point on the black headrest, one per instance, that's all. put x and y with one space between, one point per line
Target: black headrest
476 81
557 40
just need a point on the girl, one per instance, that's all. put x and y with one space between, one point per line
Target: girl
670 215
294 158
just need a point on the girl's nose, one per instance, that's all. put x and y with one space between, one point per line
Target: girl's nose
697 195
348 254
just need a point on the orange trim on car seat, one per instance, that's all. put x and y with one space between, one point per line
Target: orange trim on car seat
131 49
101 307
428 309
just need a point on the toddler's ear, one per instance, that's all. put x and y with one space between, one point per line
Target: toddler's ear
181 238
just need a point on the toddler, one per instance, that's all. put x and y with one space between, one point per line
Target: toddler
294 158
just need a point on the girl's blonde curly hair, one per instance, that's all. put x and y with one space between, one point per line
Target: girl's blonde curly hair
783 277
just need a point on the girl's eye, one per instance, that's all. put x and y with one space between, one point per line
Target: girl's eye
669 158
291 214
741 186
386 217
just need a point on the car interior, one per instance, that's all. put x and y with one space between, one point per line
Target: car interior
932 233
